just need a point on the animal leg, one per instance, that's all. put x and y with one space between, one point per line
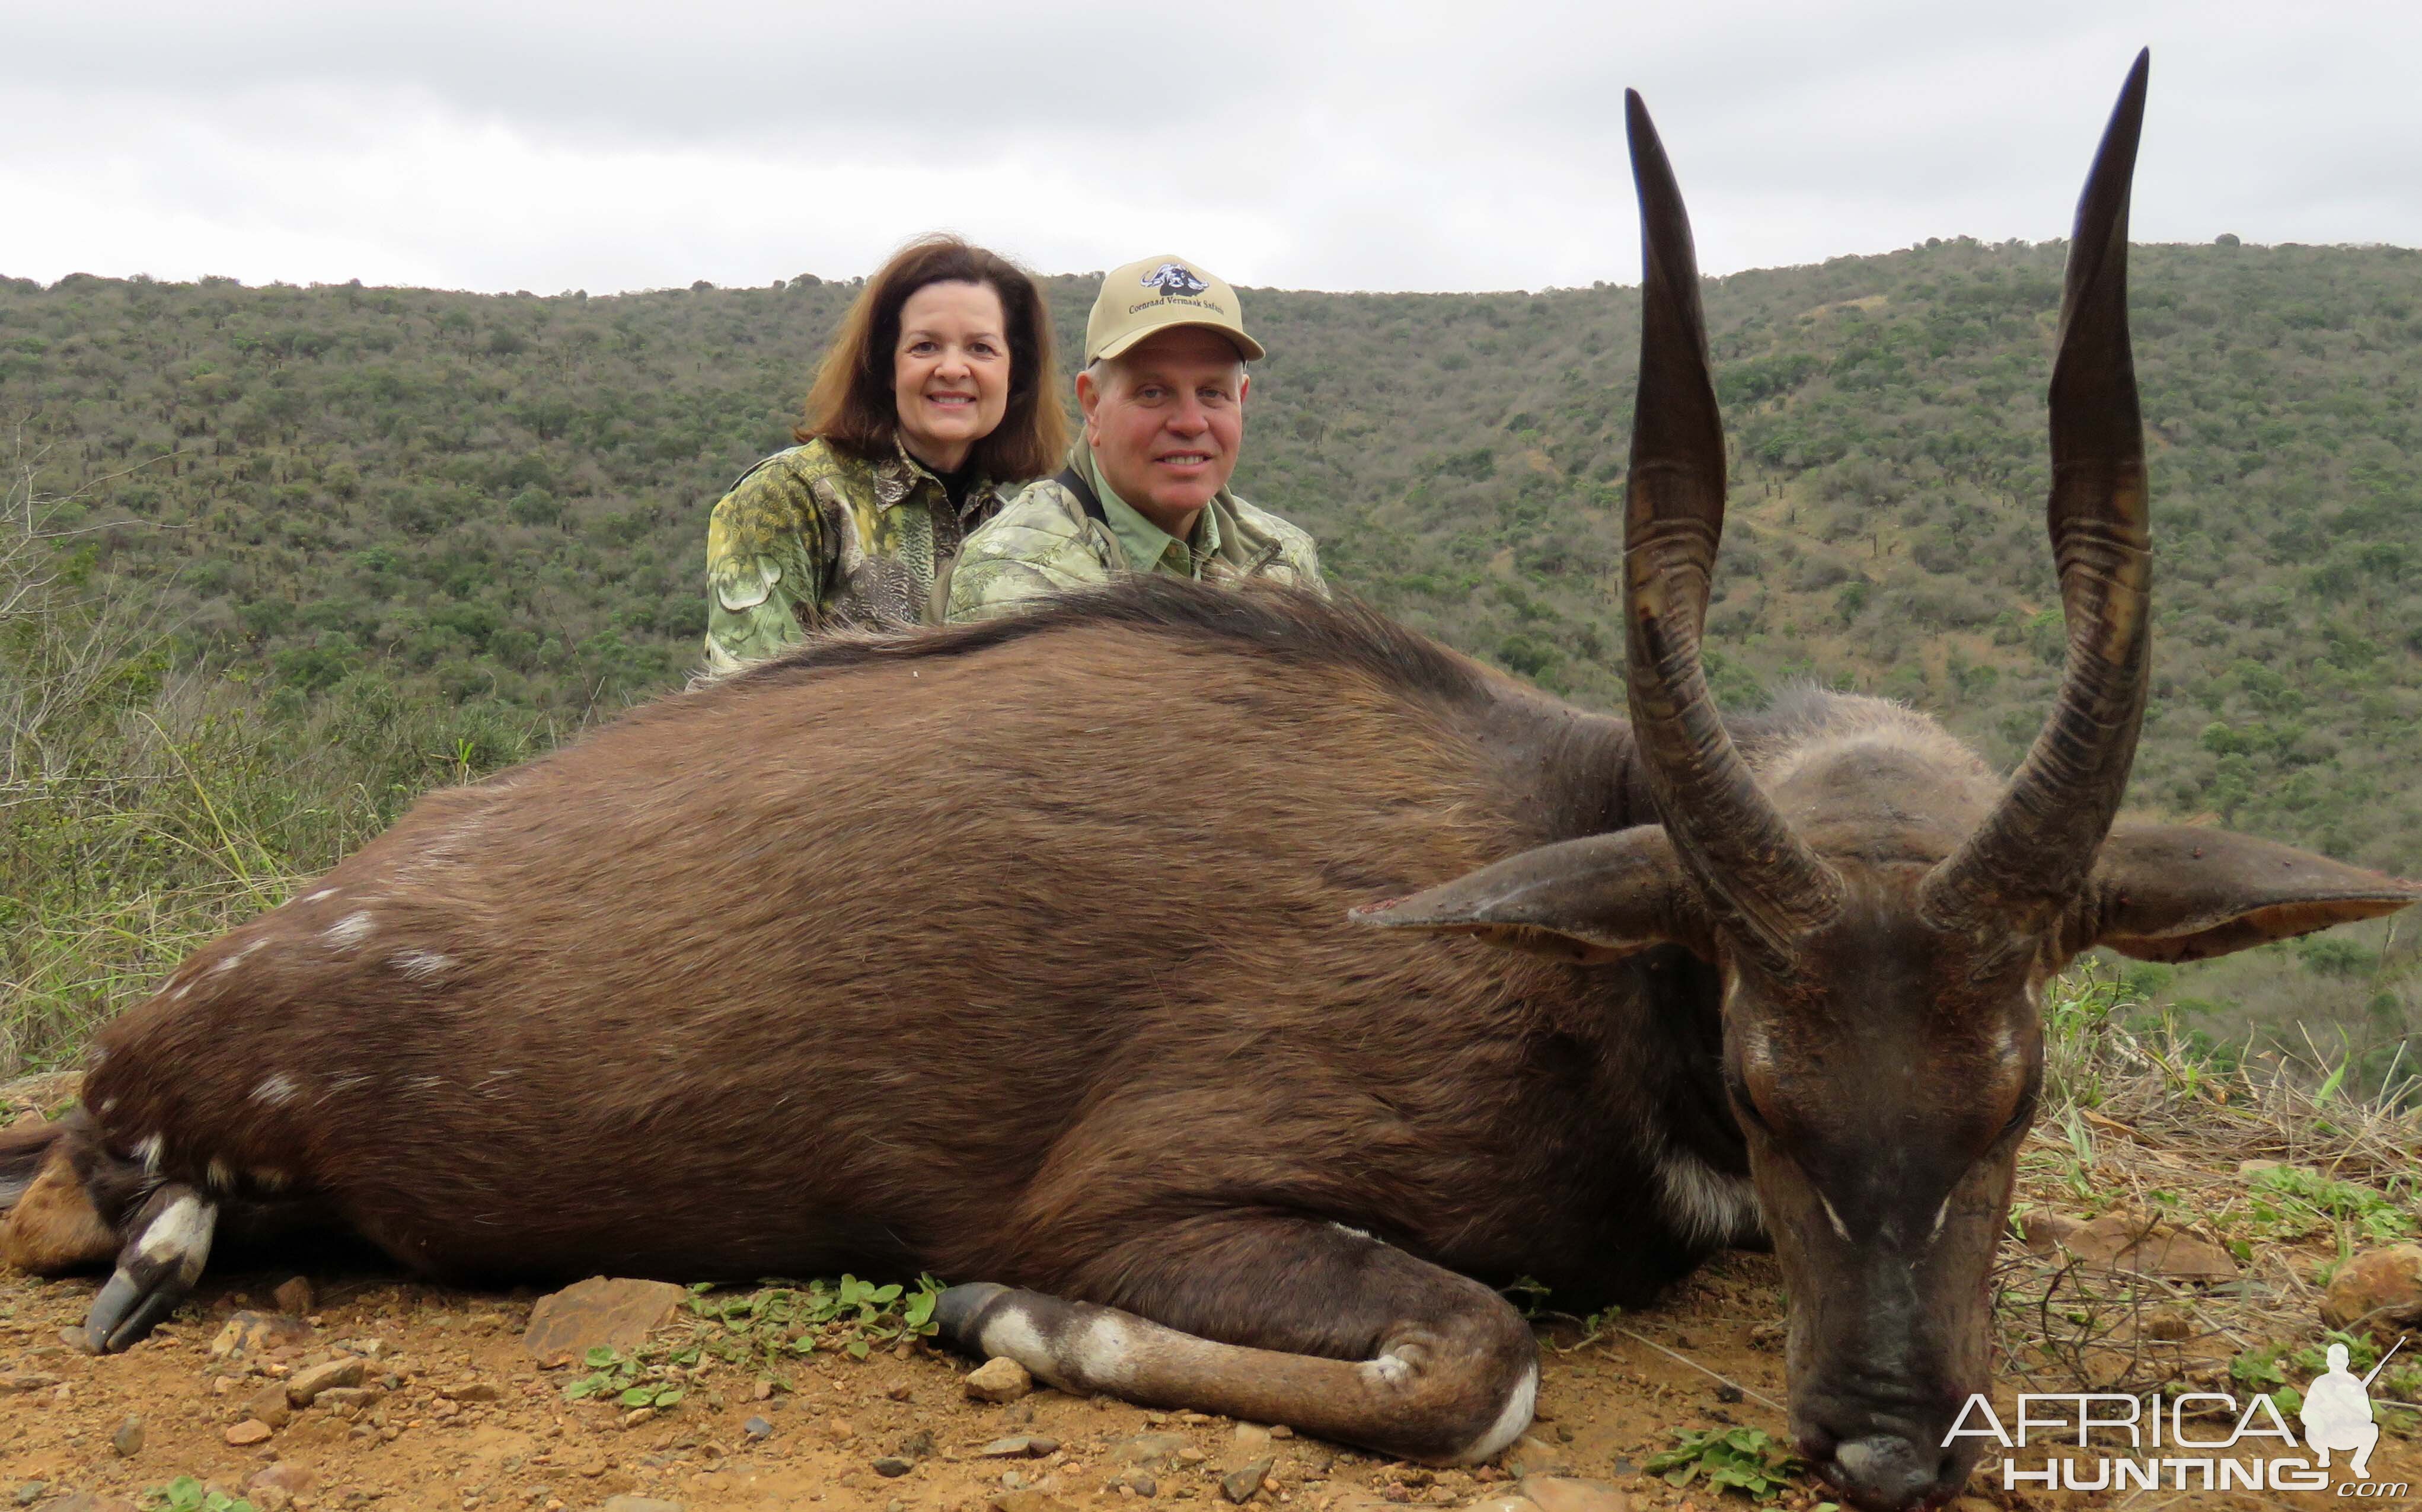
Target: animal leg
49 1226
1276 1319
171 1243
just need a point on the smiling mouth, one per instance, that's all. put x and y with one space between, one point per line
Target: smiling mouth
1184 459
951 401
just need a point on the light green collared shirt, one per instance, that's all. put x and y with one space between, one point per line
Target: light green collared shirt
1044 543
1149 548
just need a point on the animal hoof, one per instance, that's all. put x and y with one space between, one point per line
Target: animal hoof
959 1313
155 1271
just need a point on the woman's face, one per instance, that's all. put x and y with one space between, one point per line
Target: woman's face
950 373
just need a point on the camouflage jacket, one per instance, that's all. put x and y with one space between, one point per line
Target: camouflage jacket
1042 543
813 538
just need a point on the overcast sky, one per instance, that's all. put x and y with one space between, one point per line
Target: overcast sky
547 145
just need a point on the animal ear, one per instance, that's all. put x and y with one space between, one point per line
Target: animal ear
2169 893
1590 900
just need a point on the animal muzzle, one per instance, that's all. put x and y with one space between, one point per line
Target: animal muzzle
1884 1461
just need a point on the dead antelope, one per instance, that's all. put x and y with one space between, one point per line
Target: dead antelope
1045 954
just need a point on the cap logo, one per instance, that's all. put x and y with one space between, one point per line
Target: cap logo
1174 280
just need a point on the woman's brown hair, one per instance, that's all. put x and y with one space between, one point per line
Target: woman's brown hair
852 405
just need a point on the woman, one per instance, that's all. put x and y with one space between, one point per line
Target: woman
938 390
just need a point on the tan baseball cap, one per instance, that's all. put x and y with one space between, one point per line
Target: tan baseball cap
1156 294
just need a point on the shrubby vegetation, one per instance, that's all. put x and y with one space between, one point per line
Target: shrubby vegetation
347 541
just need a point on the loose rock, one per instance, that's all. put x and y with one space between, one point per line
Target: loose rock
638 1503
2043 1230
1238 1486
339 1398
2120 1241
304 1387
251 1430
294 1480
88 1501
998 1379
2379 1290
271 1407
128 1439
1156 1449
758 1430
1564 1493
247 1334
597 1313
26 1381
293 1296
892 1467
1028 1501
472 1391
1532 1455
1018 1446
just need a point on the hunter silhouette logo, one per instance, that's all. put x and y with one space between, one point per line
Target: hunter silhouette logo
1174 280
2337 1411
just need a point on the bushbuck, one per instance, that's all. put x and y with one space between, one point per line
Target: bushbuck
1229 988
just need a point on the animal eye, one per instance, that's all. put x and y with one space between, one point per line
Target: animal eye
1743 1103
2023 1116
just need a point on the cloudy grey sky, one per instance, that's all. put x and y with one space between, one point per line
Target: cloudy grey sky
547 145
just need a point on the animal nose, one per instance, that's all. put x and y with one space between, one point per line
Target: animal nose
1887 1472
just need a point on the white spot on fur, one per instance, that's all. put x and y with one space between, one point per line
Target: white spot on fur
348 1080
235 958
149 1151
1389 1370
1011 1333
178 995
350 931
180 1236
1103 1353
421 965
322 895
274 1089
1835 1219
1358 1233
220 1175
1942 1216
108 1106
1705 1203
1519 1403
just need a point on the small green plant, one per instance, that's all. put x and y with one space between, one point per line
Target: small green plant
2289 1201
631 1382
186 1494
849 1316
1744 1459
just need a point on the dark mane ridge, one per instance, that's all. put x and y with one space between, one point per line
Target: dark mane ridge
1293 624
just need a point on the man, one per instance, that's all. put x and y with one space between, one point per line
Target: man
2338 1414
1146 485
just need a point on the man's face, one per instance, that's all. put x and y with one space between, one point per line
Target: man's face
1166 418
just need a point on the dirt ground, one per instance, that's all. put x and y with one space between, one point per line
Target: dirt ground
452 1414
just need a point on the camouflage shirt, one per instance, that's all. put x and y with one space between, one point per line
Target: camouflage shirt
813 538
1043 542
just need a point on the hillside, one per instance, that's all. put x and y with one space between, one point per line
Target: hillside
367 499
